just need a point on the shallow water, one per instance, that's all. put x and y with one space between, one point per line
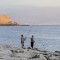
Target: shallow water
46 37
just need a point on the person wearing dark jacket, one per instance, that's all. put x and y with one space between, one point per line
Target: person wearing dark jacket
32 41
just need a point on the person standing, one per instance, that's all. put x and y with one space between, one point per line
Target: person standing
32 41
22 41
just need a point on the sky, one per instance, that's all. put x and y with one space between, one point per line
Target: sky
33 12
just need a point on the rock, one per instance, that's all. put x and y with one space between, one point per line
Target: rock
15 53
53 58
5 52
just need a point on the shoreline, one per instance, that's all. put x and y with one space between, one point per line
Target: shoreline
10 52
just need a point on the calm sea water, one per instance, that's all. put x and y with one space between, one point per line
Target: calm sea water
46 37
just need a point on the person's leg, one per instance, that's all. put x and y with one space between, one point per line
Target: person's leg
22 45
32 44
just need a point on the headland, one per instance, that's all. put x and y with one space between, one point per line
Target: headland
7 21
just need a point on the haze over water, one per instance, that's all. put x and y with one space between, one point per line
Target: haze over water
32 12
46 37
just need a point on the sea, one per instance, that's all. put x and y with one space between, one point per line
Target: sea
46 37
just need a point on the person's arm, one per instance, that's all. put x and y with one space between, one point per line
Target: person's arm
33 40
25 38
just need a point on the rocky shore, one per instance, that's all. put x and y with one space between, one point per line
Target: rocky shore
8 52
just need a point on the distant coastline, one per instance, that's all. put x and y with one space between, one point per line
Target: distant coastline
12 25
24 25
9 25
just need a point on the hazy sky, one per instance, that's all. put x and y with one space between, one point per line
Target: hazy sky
39 12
